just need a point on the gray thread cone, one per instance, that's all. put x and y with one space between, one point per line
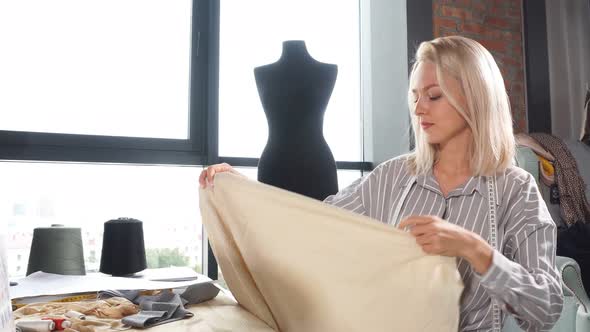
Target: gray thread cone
57 250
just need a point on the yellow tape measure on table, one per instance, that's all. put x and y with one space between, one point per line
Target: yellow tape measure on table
73 298
77 298
16 304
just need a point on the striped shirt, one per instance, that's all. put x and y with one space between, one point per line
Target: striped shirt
522 278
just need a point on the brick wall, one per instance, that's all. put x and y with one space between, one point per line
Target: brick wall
497 25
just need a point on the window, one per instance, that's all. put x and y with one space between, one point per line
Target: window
91 70
345 177
251 35
108 81
111 81
164 198
116 117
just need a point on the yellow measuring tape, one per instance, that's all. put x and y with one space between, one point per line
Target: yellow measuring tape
74 298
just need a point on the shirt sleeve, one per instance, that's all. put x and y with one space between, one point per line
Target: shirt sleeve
349 198
359 196
527 285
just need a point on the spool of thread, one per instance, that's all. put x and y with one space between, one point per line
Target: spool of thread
36 325
6 320
60 323
123 249
75 314
57 249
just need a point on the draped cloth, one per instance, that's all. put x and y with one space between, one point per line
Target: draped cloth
573 203
301 265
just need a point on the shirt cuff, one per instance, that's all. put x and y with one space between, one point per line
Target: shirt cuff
497 276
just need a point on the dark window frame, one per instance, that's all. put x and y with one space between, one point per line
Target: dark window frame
213 123
57 147
202 146
536 58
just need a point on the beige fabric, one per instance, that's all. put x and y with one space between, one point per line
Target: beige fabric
301 265
103 315
221 314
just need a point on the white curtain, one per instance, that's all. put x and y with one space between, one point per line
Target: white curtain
568 38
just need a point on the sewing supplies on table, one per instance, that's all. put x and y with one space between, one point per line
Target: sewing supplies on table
57 249
60 323
36 325
75 314
123 248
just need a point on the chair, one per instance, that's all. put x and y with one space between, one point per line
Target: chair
575 315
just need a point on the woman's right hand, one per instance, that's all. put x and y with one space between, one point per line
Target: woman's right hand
206 177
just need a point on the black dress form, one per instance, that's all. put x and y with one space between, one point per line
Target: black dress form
294 92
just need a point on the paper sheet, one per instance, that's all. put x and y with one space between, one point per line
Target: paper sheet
6 321
41 283
173 273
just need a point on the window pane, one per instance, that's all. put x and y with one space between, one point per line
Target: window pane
164 198
347 177
251 35
250 172
111 67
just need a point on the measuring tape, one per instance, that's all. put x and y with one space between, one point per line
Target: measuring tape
496 314
74 298
496 317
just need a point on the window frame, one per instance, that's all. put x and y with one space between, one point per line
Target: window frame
58 147
201 148
210 265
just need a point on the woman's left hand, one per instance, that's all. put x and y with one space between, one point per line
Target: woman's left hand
439 237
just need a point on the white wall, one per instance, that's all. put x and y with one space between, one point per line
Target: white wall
568 40
384 76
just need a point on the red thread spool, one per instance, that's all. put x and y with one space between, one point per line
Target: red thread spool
60 323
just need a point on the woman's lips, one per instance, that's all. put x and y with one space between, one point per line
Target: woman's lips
426 125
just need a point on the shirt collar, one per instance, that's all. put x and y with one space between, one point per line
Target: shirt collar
474 184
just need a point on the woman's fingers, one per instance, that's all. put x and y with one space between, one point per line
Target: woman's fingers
202 177
421 230
412 221
427 239
207 175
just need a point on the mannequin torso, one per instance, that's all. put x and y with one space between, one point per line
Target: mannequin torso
294 92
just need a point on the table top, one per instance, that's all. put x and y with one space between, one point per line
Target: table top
222 313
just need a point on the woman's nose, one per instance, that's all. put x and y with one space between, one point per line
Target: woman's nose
419 110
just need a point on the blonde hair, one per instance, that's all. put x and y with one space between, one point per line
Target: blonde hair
487 111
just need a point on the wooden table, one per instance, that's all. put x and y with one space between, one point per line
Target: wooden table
222 313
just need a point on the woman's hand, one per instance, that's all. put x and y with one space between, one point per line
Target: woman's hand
439 237
207 175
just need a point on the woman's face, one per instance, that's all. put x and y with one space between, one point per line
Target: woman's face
439 120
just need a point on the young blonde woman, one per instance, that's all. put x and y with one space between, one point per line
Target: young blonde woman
459 194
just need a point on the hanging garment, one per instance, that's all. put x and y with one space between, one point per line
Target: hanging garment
301 265
572 196
546 159
586 130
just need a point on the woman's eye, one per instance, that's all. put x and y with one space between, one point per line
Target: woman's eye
435 97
